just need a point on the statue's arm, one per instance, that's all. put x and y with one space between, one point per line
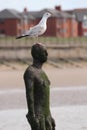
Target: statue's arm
29 84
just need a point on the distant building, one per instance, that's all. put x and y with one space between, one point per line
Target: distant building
71 23
81 17
13 23
9 20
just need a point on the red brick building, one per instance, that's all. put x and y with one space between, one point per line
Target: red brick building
81 17
13 23
61 24
8 22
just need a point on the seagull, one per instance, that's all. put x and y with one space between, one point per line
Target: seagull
38 29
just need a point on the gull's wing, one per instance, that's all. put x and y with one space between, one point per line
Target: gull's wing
35 31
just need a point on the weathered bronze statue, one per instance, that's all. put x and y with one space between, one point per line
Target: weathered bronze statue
37 91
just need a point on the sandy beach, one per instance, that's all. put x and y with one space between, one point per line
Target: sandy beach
68 97
66 77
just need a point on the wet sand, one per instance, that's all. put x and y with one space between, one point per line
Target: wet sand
11 78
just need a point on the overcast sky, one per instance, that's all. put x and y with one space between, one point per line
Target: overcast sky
34 5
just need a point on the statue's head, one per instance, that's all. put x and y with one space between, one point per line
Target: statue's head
39 53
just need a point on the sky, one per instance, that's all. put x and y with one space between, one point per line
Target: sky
35 5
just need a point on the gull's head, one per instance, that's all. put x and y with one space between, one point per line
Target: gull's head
47 14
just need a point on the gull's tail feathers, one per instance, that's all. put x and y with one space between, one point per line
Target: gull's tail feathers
19 37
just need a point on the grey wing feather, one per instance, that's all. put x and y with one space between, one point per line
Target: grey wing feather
35 31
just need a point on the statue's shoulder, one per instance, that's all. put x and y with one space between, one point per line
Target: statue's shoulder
30 69
29 72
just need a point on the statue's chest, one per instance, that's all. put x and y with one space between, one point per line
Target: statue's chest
41 86
41 79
